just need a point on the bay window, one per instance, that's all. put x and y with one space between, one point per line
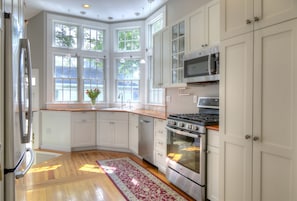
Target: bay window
78 62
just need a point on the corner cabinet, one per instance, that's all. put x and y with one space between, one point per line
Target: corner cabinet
247 15
258 112
112 130
162 58
83 127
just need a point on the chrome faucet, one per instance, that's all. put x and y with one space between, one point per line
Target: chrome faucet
121 96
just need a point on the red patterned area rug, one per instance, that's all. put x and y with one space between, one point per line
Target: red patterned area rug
137 183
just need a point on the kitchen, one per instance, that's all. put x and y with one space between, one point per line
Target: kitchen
248 93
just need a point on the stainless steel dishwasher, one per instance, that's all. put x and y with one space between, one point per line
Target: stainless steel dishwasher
146 138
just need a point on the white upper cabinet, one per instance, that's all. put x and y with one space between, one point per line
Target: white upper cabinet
162 58
242 16
204 26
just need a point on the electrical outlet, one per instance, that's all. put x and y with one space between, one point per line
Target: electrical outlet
195 99
168 99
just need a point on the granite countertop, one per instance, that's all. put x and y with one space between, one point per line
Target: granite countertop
152 113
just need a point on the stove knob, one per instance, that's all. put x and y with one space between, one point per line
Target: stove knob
181 124
190 126
195 128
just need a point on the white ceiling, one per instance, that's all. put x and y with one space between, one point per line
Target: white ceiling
119 10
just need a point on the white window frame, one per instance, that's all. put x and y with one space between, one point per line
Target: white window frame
79 52
149 54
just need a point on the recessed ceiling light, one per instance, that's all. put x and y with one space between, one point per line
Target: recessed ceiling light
86 6
137 13
110 18
83 12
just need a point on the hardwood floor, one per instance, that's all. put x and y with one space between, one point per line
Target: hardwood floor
76 176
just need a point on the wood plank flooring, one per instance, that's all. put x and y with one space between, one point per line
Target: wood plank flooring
76 176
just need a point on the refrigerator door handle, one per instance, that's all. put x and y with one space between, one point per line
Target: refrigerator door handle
25 69
20 174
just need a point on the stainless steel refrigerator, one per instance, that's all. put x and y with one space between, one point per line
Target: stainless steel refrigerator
16 101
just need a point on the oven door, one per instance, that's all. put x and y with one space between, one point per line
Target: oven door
186 154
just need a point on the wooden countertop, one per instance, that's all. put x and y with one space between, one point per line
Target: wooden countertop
214 127
151 113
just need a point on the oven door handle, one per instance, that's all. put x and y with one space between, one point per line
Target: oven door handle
182 132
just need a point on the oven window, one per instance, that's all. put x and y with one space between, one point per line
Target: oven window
184 150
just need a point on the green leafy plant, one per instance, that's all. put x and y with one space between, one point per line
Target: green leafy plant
93 93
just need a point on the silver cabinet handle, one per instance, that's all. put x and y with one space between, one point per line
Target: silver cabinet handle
247 137
256 138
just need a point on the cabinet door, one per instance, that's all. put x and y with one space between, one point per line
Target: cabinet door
106 133
166 57
197 32
212 23
121 137
234 15
178 50
157 60
133 133
213 173
236 89
56 130
275 113
273 12
83 133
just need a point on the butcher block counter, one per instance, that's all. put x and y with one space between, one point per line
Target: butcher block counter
151 113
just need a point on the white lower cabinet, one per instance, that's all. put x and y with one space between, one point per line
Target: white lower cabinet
113 130
56 130
213 165
83 129
133 133
160 144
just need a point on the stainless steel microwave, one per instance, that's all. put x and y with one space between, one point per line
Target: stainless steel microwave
202 66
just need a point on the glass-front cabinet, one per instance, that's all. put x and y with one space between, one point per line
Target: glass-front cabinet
178 50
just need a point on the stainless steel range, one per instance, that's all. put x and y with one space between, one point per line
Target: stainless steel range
186 147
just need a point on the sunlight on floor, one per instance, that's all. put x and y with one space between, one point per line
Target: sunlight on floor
91 168
44 168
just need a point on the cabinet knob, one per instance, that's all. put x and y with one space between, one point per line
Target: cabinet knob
247 137
248 21
256 138
256 19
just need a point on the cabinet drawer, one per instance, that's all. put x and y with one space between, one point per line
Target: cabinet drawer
213 138
160 145
160 157
113 116
82 116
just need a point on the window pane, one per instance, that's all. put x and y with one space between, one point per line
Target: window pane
65 35
129 40
65 78
93 76
93 39
127 70
127 83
